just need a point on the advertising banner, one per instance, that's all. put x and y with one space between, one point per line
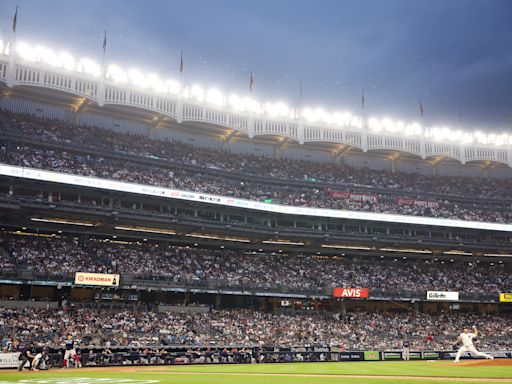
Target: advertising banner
103 279
418 203
442 296
506 297
430 355
352 293
351 356
9 360
372 355
467 355
362 197
392 355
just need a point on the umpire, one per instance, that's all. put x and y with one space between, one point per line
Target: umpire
24 357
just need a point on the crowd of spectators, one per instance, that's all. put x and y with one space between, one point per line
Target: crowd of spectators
227 268
247 327
329 173
73 163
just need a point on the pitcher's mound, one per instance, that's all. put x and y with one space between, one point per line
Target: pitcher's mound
487 363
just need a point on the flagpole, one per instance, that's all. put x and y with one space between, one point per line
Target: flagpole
179 104
101 88
181 65
104 52
12 53
301 121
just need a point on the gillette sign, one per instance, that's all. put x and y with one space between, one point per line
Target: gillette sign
442 296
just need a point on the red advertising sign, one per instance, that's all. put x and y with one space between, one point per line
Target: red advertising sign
418 203
353 293
353 196
340 195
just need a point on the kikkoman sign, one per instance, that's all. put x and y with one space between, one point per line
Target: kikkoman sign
103 279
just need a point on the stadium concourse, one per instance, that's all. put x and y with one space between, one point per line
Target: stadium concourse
188 282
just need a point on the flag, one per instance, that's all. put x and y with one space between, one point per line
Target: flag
251 83
104 41
181 63
421 108
362 99
15 20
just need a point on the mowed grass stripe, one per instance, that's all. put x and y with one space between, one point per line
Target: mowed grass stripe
233 378
384 368
320 373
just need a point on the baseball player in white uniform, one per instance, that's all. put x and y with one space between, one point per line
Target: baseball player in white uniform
466 338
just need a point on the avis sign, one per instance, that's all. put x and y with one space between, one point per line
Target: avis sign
103 279
352 293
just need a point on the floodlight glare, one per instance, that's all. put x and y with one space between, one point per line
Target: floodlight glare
375 125
173 86
215 97
89 67
236 103
197 93
67 61
116 74
25 51
155 83
137 78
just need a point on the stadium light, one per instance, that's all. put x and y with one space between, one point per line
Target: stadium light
161 231
64 221
236 103
137 78
215 97
283 242
67 61
154 82
197 93
116 74
173 86
88 67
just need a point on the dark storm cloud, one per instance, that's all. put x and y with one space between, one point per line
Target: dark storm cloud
456 55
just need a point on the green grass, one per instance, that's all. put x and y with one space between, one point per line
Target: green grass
238 374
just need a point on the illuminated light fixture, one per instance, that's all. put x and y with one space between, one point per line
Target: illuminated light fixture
116 74
360 248
282 242
117 242
146 229
20 233
215 97
197 93
498 254
213 237
407 250
65 221
456 252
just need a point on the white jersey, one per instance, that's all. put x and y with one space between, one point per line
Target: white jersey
467 339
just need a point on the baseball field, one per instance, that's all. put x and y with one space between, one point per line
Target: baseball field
424 372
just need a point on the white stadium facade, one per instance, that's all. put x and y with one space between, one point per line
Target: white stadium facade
41 82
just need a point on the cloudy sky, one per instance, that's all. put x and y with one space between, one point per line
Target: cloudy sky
454 54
